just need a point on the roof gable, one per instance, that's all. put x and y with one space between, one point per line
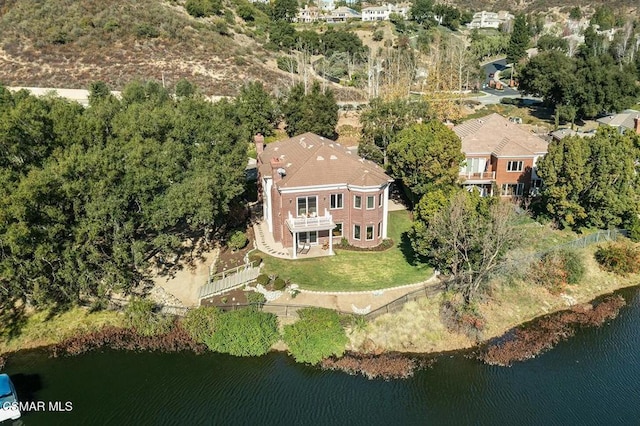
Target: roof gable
311 160
495 135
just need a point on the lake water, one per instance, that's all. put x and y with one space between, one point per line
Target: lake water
593 378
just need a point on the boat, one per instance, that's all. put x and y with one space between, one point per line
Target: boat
9 407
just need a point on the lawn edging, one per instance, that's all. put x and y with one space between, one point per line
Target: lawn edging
382 290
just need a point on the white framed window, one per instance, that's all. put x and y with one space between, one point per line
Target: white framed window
514 166
371 199
369 234
337 231
337 201
379 229
307 206
380 198
356 232
357 201
512 189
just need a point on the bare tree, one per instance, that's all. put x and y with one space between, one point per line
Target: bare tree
468 242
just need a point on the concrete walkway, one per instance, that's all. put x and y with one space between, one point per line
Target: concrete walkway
265 242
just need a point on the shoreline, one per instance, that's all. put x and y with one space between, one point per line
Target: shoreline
384 365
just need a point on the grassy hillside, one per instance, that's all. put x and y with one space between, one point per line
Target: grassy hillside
543 5
69 43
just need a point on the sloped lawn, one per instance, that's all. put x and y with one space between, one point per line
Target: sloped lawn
357 270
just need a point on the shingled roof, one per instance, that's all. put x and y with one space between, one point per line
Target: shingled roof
311 160
497 136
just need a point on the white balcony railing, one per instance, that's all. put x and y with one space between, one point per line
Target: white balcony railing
310 223
478 175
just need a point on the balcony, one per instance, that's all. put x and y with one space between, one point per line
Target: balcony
478 177
311 223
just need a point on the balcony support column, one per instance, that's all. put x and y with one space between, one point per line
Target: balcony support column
295 244
331 242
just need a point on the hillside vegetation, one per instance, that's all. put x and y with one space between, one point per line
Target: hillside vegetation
69 43
542 5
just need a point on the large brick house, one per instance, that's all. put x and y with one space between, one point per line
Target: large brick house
316 192
500 156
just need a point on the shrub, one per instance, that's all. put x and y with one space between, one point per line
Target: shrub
201 8
255 258
287 63
221 27
263 279
634 229
279 284
200 322
620 257
245 332
140 316
238 240
147 30
315 336
246 12
255 297
558 268
459 317
574 264
378 35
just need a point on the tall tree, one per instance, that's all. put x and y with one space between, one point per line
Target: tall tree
284 10
592 182
426 157
422 12
88 198
468 239
255 109
519 41
315 112
383 119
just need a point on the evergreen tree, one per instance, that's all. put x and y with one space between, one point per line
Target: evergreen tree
255 109
284 10
519 41
426 157
592 182
316 112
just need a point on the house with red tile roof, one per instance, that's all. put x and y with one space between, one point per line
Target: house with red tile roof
500 156
314 191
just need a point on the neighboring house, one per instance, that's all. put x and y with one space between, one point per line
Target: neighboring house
342 14
560 134
499 154
330 5
327 5
309 14
315 191
486 19
626 120
382 13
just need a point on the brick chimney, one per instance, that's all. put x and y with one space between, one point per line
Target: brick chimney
277 169
636 124
259 141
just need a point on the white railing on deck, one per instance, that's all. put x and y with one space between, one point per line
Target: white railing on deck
309 222
478 175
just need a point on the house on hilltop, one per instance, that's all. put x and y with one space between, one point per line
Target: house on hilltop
499 154
486 19
316 192
382 13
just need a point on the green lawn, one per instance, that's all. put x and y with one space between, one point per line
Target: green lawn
356 270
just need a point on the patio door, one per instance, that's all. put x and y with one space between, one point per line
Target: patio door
308 237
